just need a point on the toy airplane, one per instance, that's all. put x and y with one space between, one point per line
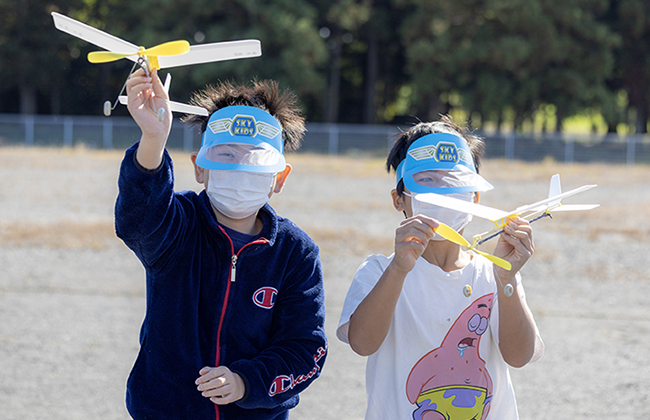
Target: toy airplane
500 218
169 54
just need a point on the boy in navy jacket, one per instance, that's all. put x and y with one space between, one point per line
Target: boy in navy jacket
235 305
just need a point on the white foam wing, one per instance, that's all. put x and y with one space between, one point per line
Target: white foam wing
478 210
493 214
93 35
204 53
545 204
188 109
575 207
176 107
218 51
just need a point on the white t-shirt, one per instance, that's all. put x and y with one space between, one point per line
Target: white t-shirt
441 352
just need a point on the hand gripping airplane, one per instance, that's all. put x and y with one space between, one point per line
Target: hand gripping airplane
169 54
500 218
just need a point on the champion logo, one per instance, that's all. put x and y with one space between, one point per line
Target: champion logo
284 383
264 297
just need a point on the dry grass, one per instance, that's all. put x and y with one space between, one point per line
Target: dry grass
592 173
73 314
338 165
51 157
620 193
68 234
350 241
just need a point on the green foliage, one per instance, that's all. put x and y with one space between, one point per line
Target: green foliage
29 56
359 60
514 54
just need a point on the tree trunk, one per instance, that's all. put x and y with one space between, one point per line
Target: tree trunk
27 99
55 99
333 97
499 122
559 119
641 119
372 70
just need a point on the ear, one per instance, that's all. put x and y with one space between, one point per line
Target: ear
199 173
281 178
398 201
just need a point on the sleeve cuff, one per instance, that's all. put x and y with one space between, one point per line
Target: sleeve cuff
145 170
246 386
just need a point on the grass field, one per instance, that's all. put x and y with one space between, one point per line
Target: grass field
72 296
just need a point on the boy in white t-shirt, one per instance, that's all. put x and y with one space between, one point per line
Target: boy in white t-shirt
436 321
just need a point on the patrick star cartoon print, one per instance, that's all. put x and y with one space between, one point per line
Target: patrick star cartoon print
451 381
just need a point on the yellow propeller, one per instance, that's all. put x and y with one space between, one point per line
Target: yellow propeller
455 237
168 48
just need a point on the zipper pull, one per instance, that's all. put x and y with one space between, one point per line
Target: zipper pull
233 268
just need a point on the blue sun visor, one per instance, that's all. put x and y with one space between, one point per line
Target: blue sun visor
242 138
440 163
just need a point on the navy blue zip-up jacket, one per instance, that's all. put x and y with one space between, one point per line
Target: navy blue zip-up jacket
259 312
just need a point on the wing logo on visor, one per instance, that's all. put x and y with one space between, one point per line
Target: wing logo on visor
424 152
443 152
243 126
220 126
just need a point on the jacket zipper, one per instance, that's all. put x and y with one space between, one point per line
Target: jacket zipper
231 279
233 268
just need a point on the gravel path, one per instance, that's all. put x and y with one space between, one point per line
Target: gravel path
72 296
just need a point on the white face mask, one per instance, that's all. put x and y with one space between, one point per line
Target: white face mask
454 219
238 194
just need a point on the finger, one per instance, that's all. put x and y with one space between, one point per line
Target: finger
213 378
414 248
523 225
219 370
414 235
137 80
226 395
522 232
139 89
519 250
219 392
158 87
208 374
426 226
223 400
215 383
518 224
432 223
139 72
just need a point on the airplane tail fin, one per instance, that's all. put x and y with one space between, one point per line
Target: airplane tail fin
554 190
168 82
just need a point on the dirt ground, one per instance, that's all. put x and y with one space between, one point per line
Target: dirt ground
72 296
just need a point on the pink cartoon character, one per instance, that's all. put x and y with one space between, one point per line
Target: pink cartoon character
451 381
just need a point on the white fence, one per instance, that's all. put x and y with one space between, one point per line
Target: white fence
121 132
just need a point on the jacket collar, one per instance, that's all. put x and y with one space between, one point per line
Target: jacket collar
266 214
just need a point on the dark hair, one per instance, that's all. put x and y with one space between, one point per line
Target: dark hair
445 125
264 95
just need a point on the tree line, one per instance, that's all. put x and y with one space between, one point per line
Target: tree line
357 61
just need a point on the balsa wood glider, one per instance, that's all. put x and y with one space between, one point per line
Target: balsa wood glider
500 218
166 55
